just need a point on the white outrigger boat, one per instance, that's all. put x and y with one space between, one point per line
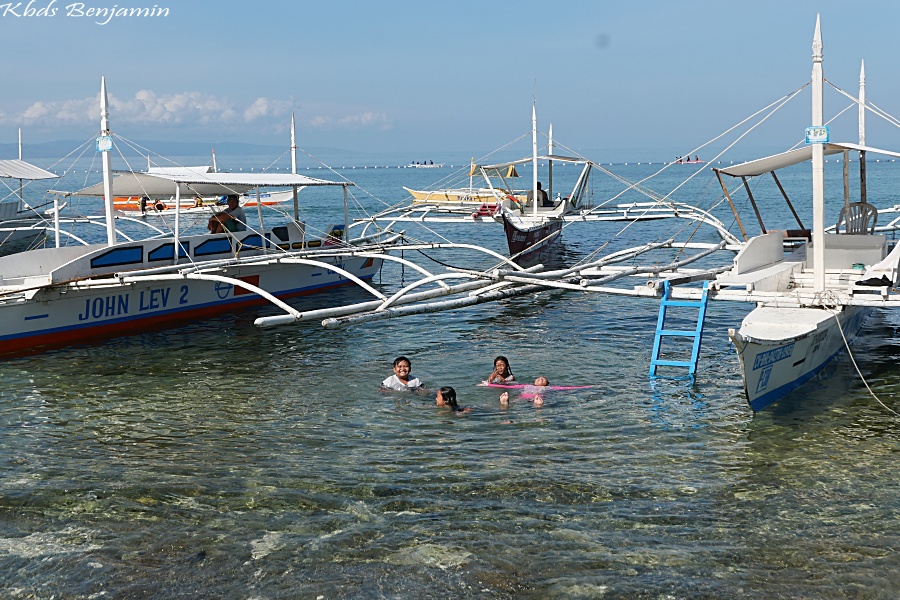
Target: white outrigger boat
21 229
812 289
63 295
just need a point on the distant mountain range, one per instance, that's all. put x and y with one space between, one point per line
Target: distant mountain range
42 153
59 148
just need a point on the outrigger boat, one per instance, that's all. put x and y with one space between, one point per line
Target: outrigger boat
21 226
813 290
472 197
20 231
136 200
531 227
64 295
140 206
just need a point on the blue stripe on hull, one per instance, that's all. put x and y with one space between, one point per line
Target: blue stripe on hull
103 328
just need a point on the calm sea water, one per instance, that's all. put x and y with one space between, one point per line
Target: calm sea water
218 460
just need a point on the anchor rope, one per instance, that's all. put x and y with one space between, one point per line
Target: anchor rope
834 312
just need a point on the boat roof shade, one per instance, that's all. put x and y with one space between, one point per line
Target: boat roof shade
193 182
504 171
177 170
554 157
792 157
19 169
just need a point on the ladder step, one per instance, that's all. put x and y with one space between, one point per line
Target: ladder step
672 363
675 332
687 303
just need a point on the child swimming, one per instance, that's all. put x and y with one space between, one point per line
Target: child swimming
446 396
531 392
501 373
401 379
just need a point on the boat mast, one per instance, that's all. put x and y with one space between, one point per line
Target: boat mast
818 166
107 163
294 169
21 185
862 131
215 169
550 164
534 161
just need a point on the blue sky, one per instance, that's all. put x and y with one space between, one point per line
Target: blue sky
426 77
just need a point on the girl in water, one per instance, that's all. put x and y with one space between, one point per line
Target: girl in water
446 396
501 373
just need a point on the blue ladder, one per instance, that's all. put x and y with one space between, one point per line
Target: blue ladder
661 331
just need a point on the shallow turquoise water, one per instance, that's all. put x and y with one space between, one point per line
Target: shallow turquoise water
219 460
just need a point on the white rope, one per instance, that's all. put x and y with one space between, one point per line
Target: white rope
853 360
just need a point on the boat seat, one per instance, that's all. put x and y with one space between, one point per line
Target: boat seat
770 278
855 218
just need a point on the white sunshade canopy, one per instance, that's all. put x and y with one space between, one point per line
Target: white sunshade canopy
191 183
793 157
178 170
545 157
19 169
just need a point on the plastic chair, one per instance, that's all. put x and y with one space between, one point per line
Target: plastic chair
855 217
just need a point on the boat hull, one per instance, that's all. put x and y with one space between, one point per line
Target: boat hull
527 243
132 204
63 315
774 365
476 196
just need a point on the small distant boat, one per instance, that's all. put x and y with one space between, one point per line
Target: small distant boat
425 165
687 161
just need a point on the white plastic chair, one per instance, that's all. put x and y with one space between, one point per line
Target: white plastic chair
855 217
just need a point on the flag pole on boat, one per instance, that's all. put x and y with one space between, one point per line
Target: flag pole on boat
534 161
104 146
21 185
550 163
862 131
818 166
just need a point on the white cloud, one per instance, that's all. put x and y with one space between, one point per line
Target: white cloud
259 109
147 107
144 107
362 120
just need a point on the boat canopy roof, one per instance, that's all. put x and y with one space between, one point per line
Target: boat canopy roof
525 161
179 170
793 157
491 171
19 169
193 182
